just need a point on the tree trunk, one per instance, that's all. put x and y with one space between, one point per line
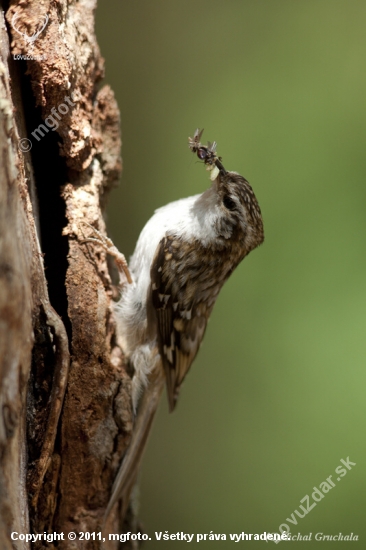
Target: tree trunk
65 394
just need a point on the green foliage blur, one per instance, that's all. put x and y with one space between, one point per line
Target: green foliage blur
276 396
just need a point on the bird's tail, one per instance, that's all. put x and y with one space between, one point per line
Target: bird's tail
127 474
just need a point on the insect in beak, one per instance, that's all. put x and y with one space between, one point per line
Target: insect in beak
207 153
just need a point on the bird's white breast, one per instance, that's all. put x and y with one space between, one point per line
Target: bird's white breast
190 218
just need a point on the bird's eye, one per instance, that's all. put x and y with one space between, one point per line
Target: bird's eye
229 203
202 153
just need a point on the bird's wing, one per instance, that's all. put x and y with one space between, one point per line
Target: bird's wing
181 314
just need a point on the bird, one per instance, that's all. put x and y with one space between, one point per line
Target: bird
183 256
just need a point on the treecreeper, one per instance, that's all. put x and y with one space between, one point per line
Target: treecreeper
183 256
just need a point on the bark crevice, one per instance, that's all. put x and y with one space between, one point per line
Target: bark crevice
66 459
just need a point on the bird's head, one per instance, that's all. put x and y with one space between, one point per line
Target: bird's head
229 207
240 215
229 215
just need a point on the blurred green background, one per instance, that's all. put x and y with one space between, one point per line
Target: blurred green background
276 396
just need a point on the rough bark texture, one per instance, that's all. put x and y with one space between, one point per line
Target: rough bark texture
56 471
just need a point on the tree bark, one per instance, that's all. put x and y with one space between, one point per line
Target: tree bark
65 393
